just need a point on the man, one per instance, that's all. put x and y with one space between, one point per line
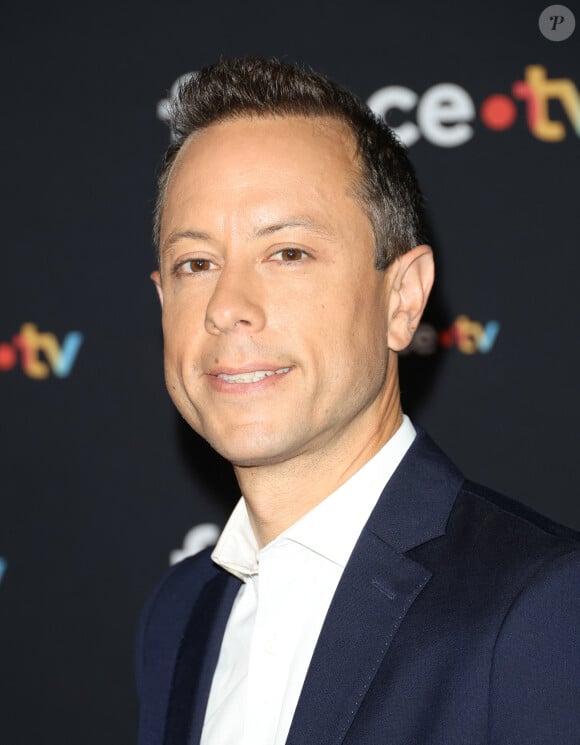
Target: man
362 591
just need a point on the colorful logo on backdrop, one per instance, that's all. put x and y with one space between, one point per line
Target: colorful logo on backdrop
40 354
443 114
464 334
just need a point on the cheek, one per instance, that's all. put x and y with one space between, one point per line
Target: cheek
364 343
180 356
347 340
181 325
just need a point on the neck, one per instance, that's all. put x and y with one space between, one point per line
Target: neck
277 495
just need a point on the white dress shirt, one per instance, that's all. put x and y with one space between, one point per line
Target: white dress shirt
280 608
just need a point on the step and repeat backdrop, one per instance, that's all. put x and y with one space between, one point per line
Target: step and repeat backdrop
102 485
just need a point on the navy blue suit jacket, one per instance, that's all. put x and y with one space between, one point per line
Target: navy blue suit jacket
456 622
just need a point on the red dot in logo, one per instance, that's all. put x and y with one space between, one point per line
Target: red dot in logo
7 357
498 112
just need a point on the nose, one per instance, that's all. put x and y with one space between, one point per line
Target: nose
235 304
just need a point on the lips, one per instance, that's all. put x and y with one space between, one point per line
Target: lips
252 376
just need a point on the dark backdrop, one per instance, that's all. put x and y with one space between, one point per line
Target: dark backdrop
100 479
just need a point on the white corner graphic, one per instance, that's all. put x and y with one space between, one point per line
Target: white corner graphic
199 537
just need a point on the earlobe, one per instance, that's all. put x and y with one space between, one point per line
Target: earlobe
156 277
412 278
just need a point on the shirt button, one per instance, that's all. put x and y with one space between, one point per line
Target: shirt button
271 647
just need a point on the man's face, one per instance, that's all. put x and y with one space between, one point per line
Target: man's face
274 317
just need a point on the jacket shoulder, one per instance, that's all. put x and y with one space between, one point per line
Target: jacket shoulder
534 677
169 605
492 548
514 518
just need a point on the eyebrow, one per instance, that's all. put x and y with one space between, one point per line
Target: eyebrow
194 235
293 222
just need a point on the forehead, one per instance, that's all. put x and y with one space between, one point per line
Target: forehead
291 151
268 138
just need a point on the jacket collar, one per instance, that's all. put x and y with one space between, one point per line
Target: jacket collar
414 506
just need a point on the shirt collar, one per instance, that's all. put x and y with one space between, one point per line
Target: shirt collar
330 529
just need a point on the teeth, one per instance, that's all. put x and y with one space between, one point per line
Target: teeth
252 377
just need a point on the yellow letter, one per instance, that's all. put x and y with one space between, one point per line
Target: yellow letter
537 90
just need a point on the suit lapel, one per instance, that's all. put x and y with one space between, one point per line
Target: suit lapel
377 589
196 660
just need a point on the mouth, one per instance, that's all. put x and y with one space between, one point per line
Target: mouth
252 376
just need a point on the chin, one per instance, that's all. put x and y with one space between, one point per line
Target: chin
251 448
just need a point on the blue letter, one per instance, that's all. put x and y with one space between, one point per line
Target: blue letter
68 353
487 339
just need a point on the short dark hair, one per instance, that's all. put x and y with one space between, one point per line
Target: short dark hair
251 86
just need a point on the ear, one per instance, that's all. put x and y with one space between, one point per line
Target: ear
411 276
156 277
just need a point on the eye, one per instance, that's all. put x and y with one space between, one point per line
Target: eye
194 266
290 254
